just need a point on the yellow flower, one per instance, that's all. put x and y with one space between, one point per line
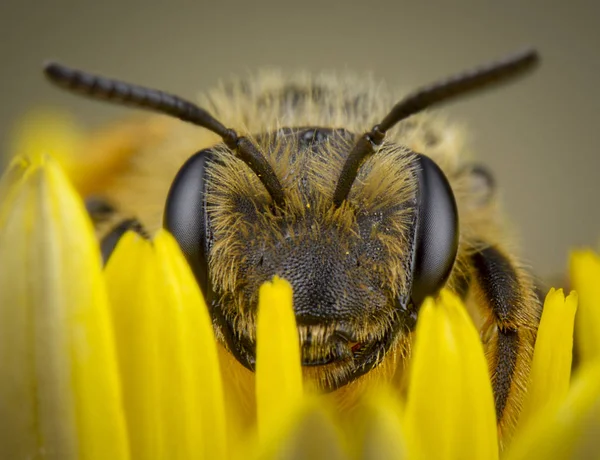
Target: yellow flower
551 367
59 391
122 363
561 417
450 408
278 375
585 273
166 352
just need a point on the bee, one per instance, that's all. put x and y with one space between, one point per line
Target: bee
366 211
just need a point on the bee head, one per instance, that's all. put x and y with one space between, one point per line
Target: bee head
363 229
359 271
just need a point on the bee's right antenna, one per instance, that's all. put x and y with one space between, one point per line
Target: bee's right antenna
435 94
110 90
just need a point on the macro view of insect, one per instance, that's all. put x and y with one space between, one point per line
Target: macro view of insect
366 211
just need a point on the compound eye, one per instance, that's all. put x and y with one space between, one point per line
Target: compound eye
185 216
436 241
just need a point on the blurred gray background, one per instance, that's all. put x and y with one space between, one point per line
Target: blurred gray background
539 137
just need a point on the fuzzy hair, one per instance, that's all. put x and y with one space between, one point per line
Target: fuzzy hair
270 100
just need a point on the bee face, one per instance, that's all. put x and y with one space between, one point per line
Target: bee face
351 267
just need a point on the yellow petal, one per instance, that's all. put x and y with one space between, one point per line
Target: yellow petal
278 365
569 431
585 275
167 352
132 278
309 433
551 368
378 432
48 132
450 408
10 181
59 392
192 391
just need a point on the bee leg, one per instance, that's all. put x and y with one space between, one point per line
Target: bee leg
110 224
508 297
99 209
482 185
461 284
110 240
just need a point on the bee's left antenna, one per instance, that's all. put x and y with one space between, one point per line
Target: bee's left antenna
435 94
119 92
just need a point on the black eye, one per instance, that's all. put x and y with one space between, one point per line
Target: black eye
185 216
436 241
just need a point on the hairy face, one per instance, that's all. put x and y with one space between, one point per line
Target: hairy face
349 267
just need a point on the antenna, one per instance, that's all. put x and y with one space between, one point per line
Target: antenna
480 78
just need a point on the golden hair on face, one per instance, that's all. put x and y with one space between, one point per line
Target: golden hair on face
365 211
